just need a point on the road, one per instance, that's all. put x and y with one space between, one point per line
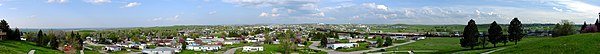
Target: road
31 52
315 43
493 51
231 51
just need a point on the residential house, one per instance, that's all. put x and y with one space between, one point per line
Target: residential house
160 50
252 49
112 48
342 45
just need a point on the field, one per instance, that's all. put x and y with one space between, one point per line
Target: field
450 45
275 48
573 44
23 47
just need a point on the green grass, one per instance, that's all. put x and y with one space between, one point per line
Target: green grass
451 45
23 47
361 46
90 52
195 52
588 43
399 41
275 48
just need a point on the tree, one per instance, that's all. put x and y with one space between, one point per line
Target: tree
287 42
6 28
583 27
40 38
470 35
17 34
597 24
565 27
380 41
323 40
495 33
388 41
268 39
515 30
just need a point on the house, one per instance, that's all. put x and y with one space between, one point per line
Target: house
357 40
112 48
160 50
342 45
231 42
252 49
198 47
418 38
398 37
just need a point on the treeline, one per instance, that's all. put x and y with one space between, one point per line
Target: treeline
7 33
472 37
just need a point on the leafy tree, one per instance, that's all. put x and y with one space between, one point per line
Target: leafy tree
388 41
495 33
9 33
268 39
565 27
470 35
380 41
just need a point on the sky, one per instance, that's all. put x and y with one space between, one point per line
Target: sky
148 13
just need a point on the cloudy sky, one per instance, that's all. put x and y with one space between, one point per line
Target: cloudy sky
144 13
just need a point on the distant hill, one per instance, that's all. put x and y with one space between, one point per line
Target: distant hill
588 43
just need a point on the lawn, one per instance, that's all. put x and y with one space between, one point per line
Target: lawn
23 47
275 48
197 52
90 52
451 45
588 43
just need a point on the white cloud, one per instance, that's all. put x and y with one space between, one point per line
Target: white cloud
132 4
212 12
174 18
57 1
557 9
0 4
293 7
265 14
319 14
376 6
98 1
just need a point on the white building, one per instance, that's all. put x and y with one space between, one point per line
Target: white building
203 48
160 50
356 40
342 45
252 49
112 48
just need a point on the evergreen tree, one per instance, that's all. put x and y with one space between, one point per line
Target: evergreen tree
18 34
40 38
470 35
597 24
515 30
582 29
495 33
6 28
323 40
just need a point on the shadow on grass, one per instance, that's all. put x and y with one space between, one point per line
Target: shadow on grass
467 49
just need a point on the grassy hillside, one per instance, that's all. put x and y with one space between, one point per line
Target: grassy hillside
574 44
451 45
23 47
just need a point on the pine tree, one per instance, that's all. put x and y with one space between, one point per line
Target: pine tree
495 33
515 30
597 25
323 40
17 34
582 29
6 28
470 35
40 38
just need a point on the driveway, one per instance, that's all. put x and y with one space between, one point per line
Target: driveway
315 43
231 51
